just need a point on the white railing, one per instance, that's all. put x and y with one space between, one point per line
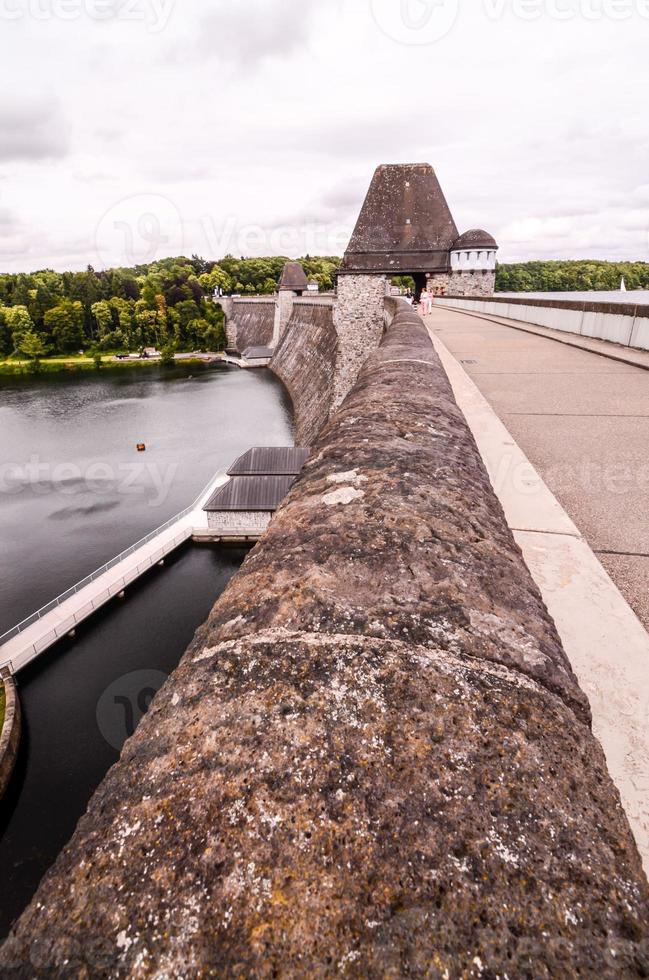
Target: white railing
44 610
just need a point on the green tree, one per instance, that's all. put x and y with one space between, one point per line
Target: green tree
65 323
19 323
31 345
103 315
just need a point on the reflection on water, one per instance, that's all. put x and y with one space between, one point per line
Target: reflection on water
73 493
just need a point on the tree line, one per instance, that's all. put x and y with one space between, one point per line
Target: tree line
167 304
570 276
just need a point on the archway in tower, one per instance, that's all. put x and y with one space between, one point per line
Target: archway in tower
417 282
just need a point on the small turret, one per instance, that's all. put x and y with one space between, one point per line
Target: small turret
294 278
475 250
473 264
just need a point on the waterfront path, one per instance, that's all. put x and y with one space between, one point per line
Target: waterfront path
61 617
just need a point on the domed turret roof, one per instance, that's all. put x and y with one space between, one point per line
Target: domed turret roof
475 238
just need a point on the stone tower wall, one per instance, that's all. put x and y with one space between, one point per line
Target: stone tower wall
476 283
283 311
359 318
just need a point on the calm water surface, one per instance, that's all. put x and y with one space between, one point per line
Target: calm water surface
73 493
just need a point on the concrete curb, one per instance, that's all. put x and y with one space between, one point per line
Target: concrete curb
606 643
10 736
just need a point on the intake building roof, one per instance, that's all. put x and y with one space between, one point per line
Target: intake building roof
271 461
405 224
251 494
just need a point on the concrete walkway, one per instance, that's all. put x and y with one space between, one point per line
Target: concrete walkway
61 617
583 421
605 641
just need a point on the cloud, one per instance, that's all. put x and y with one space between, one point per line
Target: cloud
32 132
247 33
8 221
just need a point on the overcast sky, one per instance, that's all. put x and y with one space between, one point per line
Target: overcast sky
134 129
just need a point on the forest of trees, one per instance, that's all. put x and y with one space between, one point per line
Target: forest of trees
570 276
167 304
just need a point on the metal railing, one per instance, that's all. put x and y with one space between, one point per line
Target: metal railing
44 610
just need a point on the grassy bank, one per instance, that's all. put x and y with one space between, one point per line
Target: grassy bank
72 365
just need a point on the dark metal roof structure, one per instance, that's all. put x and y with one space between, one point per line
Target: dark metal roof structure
475 238
293 277
405 224
251 493
257 353
273 461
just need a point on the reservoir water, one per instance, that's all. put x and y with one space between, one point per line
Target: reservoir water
74 492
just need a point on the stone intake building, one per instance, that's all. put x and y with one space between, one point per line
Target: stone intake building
406 228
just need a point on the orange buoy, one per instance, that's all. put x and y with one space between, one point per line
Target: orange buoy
141 447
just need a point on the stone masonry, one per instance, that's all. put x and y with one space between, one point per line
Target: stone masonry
475 283
283 310
359 319
374 761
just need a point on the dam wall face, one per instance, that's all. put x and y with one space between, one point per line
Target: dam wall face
374 759
249 322
320 341
305 361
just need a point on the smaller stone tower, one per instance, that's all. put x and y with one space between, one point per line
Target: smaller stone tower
473 264
293 283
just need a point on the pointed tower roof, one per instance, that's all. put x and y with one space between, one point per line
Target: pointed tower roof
405 224
293 277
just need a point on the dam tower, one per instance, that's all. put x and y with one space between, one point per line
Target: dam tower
405 228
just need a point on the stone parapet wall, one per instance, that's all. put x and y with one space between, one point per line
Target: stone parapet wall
476 283
10 734
359 318
619 323
316 299
374 760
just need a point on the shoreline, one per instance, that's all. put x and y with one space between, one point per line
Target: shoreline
10 729
86 364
